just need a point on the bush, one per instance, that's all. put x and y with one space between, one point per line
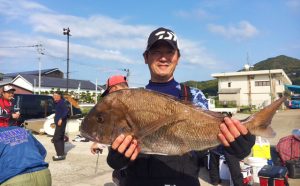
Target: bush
85 110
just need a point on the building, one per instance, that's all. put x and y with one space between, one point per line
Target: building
19 90
251 88
53 72
51 79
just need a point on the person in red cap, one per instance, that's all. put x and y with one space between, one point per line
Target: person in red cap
136 168
114 83
6 106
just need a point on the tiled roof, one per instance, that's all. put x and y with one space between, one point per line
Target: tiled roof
34 72
60 82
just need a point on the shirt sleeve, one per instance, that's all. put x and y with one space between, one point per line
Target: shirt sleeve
63 110
4 113
116 160
199 98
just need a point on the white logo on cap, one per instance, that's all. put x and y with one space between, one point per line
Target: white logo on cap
170 35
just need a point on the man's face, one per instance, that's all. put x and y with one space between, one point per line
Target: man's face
8 95
56 97
162 60
117 87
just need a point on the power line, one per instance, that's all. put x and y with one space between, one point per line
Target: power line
53 56
37 46
21 46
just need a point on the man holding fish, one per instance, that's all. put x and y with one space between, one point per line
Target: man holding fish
153 135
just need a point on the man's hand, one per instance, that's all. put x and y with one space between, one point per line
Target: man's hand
59 122
126 145
236 138
15 115
94 148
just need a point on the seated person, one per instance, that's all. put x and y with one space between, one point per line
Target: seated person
22 159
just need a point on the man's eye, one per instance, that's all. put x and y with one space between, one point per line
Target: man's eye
155 52
171 52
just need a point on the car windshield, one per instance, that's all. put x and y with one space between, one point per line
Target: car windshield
34 106
295 97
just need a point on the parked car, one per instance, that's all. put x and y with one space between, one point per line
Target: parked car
33 106
225 111
37 111
295 101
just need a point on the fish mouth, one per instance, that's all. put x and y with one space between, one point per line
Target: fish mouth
89 137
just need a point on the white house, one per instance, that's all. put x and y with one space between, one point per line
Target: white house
251 88
50 79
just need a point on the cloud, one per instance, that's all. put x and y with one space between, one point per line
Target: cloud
243 30
194 54
17 9
93 38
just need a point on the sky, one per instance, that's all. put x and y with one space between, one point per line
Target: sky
107 37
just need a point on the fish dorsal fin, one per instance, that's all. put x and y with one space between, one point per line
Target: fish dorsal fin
215 114
173 98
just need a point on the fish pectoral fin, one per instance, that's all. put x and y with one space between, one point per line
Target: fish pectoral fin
152 127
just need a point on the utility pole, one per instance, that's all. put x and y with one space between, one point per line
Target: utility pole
40 50
67 31
127 73
271 86
96 91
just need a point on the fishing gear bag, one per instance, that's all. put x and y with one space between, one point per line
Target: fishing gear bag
273 176
293 167
288 148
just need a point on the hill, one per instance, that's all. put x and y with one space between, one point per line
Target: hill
209 88
290 65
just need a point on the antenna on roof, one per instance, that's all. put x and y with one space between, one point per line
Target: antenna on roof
248 66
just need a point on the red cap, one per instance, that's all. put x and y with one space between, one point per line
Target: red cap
113 80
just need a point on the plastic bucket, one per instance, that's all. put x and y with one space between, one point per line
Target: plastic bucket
257 164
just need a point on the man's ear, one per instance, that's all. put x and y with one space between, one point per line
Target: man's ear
145 55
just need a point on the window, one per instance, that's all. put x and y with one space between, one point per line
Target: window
34 106
262 83
279 82
229 84
295 97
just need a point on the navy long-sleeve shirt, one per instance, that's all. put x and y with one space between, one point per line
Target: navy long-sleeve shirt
61 111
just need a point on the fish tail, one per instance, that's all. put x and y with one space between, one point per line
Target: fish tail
259 123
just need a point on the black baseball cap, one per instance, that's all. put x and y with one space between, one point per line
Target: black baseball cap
162 34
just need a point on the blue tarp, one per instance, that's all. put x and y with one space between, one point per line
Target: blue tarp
293 88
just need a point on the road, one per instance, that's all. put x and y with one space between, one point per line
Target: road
81 168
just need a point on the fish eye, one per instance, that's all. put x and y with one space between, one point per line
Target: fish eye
100 119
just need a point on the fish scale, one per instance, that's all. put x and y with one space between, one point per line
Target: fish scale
163 124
